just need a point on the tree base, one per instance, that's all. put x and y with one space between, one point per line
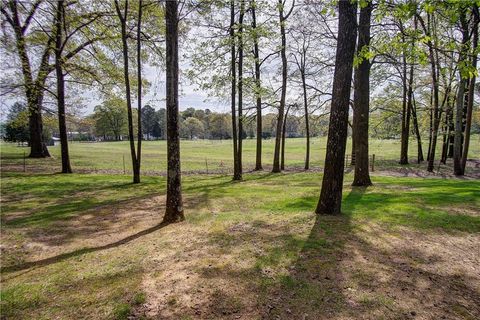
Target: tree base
362 183
321 210
173 217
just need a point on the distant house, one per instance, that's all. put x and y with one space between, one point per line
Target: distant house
54 141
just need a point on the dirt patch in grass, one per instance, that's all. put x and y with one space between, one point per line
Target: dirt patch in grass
340 271
234 259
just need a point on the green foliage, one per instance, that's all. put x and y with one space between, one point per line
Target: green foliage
111 119
122 311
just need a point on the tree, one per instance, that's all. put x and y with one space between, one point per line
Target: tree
332 184
300 57
236 164
361 99
220 126
110 119
406 99
281 109
460 103
33 84
16 128
148 120
238 173
174 203
194 127
471 87
434 65
258 85
59 45
123 17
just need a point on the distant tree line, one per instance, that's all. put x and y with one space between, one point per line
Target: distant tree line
108 122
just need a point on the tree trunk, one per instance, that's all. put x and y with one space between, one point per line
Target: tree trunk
281 108
284 133
361 100
38 147
139 92
446 129
460 103
446 135
435 117
233 92
430 127
238 174
258 84
66 168
307 124
332 184
131 137
471 89
417 131
407 97
174 203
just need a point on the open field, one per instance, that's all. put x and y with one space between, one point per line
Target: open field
197 156
92 247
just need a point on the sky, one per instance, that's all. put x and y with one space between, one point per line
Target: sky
189 96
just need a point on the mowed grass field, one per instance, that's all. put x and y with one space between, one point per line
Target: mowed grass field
200 155
91 246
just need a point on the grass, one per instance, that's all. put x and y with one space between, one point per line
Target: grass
89 246
197 155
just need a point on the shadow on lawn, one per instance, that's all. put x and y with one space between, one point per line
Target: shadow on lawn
339 273
64 256
313 288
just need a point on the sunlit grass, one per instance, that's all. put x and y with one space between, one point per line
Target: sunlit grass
275 210
198 155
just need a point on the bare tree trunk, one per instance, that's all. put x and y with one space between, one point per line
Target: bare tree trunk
258 84
139 88
233 93
59 21
174 204
284 134
123 24
446 134
460 103
281 108
471 89
332 184
430 127
435 115
417 131
238 174
361 100
307 123
407 99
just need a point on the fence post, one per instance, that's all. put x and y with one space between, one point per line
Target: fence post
206 164
373 162
124 172
24 164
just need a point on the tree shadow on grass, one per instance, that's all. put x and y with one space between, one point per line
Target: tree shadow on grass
313 287
64 256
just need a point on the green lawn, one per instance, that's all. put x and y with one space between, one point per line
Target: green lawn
91 247
197 155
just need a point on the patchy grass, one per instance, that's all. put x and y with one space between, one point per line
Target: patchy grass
92 246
